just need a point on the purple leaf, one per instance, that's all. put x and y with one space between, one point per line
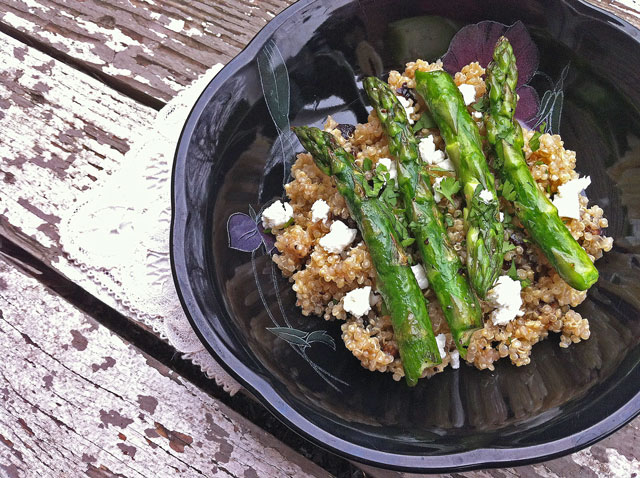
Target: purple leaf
528 104
243 233
476 43
525 50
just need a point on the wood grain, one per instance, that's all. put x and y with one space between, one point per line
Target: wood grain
78 401
154 46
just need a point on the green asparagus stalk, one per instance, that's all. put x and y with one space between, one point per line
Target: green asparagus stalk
395 280
442 264
535 211
464 147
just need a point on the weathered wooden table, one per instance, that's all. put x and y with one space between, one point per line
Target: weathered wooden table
86 390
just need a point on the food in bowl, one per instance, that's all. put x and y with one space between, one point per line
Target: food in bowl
440 231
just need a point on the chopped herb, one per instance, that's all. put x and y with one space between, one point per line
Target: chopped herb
507 219
407 242
482 104
367 164
534 142
524 283
513 273
440 170
507 246
448 187
389 194
426 121
508 192
538 163
448 218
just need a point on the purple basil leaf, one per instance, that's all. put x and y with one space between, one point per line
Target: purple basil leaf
268 240
243 233
476 43
473 43
525 50
528 104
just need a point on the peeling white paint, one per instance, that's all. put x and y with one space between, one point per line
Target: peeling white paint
112 70
76 49
194 32
175 25
34 5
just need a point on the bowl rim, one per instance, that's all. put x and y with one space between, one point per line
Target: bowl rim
266 394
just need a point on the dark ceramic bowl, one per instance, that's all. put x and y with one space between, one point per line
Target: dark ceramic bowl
235 153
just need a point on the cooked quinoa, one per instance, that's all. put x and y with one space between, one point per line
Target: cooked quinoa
321 279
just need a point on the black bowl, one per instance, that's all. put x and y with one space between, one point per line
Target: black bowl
234 156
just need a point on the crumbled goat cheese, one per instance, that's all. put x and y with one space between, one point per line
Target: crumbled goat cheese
408 107
421 277
486 196
357 301
455 359
437 197
505 296
501 217
468 93
441 340
276 215
433 156
568 198
338 238
320 211
390 164
477 115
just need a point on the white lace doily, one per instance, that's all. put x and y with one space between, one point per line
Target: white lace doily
119 235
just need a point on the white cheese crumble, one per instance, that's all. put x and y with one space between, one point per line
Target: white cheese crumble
501 217
357 301
420 275
468 93
477 115
486 196
568 198
276 215
408 107
433 156
320 211
455 359
390 164
505 296
441 340
338 238
437 197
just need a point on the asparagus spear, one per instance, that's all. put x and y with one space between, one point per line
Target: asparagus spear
464 147
536 213
395 280
442 264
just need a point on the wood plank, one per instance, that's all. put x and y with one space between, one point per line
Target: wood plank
154 46
62 132
77 400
